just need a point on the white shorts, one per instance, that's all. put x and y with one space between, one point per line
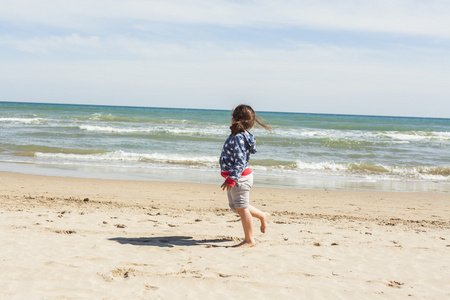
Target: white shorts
239 195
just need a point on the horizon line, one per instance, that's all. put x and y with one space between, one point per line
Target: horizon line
219 109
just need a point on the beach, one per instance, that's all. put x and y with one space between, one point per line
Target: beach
74 238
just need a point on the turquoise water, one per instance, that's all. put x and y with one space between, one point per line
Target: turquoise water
317 151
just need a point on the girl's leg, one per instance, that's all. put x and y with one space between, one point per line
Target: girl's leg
241 192
262 216
247 224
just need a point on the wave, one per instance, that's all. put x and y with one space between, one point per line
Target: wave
22 120
355 168
121 156
98 117
208 131
417 136
39 154
419 172
31 150
357 140
111 129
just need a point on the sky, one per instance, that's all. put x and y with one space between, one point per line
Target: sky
383 57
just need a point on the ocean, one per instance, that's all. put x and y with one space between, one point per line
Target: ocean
305 151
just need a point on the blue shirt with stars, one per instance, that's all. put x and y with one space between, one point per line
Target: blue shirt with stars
236 153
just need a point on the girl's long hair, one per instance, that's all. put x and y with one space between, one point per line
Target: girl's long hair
244 118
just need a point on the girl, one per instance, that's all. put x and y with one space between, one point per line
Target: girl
238 177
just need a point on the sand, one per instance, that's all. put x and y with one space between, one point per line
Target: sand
67 238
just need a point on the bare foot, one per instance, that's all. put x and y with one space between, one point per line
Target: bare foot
264 222
245 244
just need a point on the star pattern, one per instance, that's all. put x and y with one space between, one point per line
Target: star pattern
236 153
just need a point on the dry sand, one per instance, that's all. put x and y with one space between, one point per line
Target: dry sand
67 238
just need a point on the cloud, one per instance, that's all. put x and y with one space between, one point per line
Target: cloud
47 45
310 56
409 17
174 75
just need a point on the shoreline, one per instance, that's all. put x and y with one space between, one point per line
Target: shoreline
144 192
212 177
95 238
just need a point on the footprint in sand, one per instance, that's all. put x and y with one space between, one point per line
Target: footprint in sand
124 273
64 231
395 284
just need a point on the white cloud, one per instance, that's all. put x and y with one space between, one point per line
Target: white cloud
308 79
411 17
109 52
49 44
